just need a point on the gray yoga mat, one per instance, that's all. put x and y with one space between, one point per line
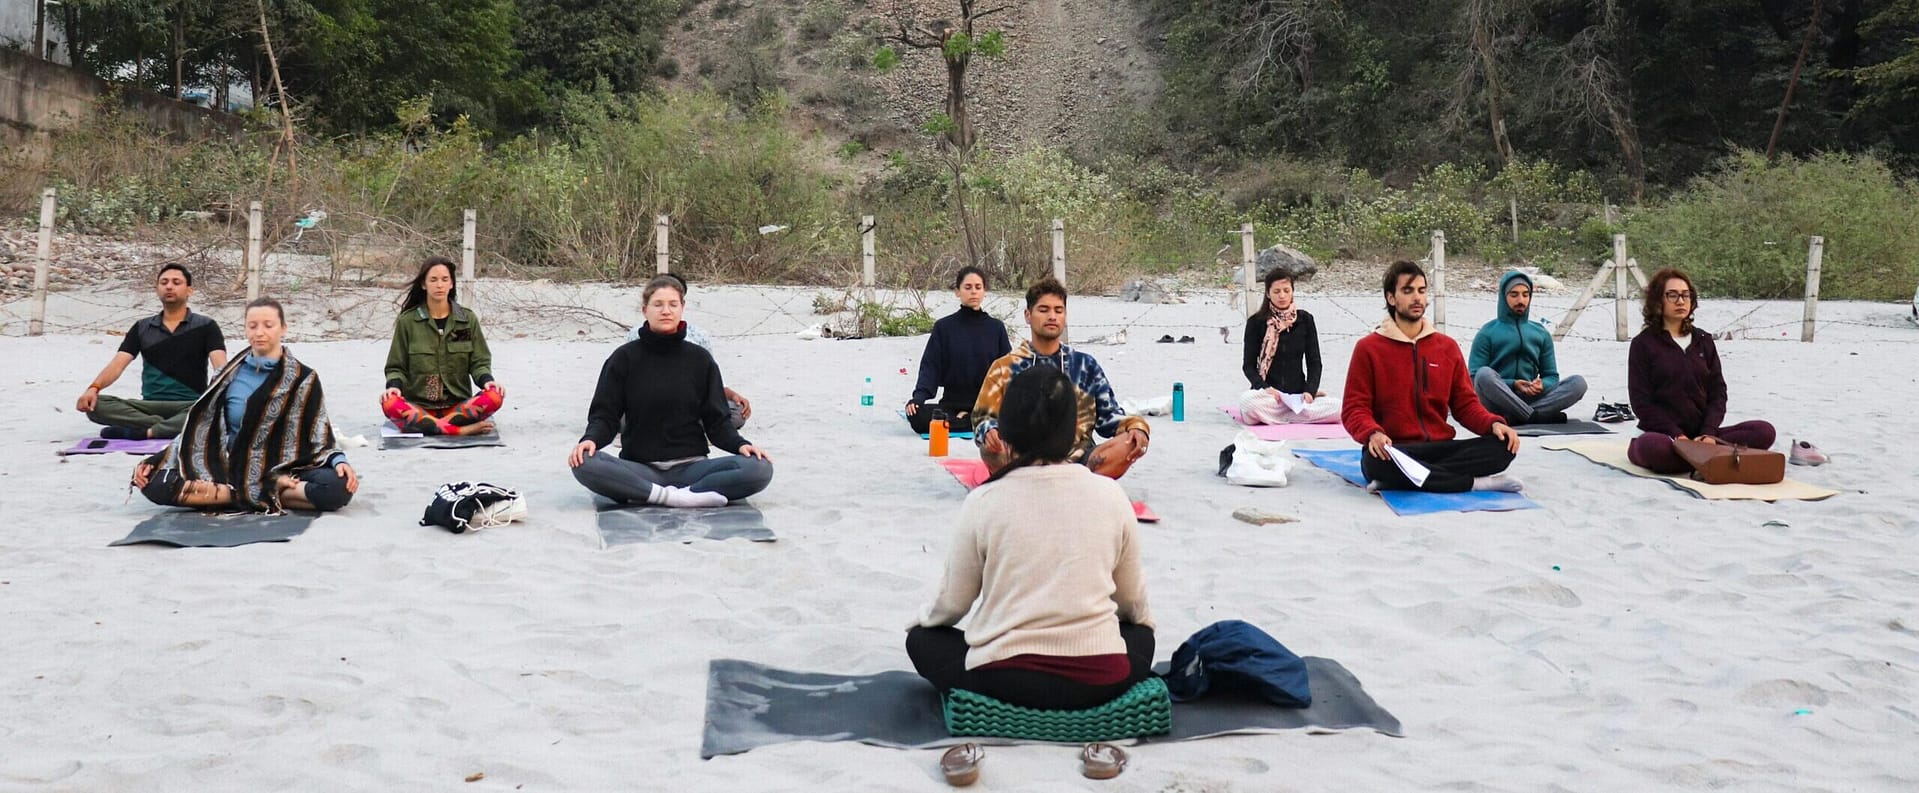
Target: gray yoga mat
749 705
189 529
625 525
1574 427
390 443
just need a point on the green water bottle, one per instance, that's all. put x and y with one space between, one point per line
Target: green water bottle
866 396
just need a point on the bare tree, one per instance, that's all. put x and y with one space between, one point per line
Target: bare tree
957 41
1278 35
1480 26
1592 91
285 144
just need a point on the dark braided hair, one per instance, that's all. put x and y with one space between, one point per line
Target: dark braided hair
1039 418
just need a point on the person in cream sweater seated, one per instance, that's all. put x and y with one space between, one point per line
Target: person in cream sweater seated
1050 552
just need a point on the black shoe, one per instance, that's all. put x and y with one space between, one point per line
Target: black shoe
1608 413
1625 411
1186 340
1166 339
1548 417
123 433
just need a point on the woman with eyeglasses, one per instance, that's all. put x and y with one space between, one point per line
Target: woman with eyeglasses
1673 376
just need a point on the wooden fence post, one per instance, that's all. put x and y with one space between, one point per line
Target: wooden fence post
467 228
254 221
662 227
1439 280
868 272
1619 287
37 320
1059 250
1814 258
1249 268
869 325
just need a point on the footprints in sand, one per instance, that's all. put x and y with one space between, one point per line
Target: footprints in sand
1539 590
248 717
33 771
1247 765
1784 694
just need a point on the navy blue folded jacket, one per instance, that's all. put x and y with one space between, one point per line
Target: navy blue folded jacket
1232 655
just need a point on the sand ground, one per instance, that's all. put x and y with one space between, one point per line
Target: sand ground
1625 637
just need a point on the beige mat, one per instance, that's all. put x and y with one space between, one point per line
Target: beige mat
1612 454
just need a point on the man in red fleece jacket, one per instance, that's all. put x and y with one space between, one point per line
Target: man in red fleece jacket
1404 379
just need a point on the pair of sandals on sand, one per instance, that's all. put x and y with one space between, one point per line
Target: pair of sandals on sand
960 764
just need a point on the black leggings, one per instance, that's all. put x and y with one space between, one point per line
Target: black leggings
324 488
1453 464
939 655
922 420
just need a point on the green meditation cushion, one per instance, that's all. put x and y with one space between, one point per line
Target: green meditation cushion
1144 709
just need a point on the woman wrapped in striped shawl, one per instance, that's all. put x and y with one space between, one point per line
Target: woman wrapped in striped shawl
258 439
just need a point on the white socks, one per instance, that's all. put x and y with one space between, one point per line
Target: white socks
1498 482
682 497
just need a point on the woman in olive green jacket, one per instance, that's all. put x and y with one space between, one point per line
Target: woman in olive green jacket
437 361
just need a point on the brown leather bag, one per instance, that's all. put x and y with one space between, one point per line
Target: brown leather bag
1726 464
1113 458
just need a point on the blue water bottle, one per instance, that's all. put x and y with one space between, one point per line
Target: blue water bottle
1179 401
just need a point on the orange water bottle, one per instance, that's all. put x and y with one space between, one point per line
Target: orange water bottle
936 435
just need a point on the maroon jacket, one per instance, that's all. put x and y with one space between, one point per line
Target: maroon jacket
1405 388
1675 391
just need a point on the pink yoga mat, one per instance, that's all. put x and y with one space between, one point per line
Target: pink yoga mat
1289 432
971 473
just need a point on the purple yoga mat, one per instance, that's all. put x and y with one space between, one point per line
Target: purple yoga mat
106 446
1289 432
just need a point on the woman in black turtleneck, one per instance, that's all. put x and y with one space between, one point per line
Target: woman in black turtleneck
963 346
668 393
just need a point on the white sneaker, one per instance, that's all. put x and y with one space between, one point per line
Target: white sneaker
1804 453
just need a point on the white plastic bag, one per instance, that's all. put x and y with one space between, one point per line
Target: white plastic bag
1258 462
1151 406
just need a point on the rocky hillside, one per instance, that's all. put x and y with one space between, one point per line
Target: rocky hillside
1068 63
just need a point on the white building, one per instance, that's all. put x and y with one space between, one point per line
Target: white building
17 29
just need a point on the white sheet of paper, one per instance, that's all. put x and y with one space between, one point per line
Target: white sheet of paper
1294 402
1409 466
387 430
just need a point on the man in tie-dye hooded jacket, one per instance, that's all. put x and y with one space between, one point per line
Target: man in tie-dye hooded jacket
1099 410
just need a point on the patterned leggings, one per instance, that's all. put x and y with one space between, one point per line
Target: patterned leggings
447 421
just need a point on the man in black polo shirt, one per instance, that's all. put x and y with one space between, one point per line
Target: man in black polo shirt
175 342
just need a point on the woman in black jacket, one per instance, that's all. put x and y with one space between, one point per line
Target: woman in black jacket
668 393
1282 364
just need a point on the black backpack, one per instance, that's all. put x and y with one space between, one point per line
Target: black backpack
455 504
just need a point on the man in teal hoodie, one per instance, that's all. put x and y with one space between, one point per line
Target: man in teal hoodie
1514 370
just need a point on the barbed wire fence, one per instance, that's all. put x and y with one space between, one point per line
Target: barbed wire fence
848 293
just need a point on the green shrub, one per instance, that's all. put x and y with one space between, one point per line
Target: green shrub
1743 230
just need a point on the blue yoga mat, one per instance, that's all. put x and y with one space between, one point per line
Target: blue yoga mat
1345 464
927 436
